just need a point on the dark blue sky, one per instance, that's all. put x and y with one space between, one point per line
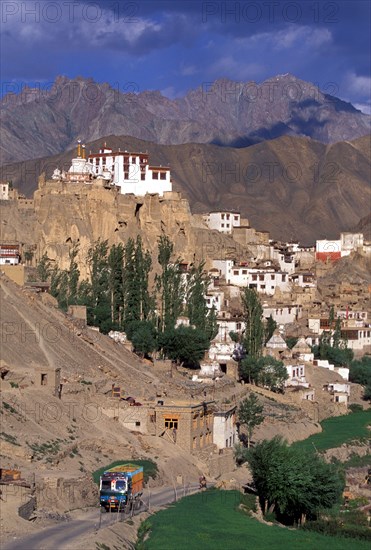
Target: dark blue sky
176 45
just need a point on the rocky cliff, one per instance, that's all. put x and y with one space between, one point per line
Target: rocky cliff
293 187
62 214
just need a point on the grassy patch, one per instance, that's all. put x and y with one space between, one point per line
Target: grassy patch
9 438
149 468
43 450
338 430
212 521
355 461
9 408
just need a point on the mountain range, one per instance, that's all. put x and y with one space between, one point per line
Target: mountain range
46 120
293 187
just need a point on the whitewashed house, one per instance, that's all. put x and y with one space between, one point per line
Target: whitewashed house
222 221
225 429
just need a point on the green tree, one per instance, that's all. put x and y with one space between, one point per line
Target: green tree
250 415
331 317
28 255
44 268
360 371
139 305
291 341
234 336
100 300
143 336
73 276
200 316
116 283
336 335
184 345
264 371
367 393
59 286
169 285
249 370
254 328
292 483
270 327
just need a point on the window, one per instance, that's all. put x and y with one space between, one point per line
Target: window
155 175
236 218
272 277
244 272
223 216
171 423
142 177
228 216
254 277
137 423
163 176
235 272
227 225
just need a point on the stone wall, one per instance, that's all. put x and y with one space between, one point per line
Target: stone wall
219 464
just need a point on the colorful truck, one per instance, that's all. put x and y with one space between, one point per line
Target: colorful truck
121 488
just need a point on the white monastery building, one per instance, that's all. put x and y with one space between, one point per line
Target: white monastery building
129 171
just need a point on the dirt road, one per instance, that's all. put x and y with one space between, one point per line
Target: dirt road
66 535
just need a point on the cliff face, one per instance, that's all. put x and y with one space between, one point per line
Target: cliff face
63 214
292 187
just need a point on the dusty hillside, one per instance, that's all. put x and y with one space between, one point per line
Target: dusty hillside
318 190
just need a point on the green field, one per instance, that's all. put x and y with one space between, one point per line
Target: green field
212 521
149 468
338 430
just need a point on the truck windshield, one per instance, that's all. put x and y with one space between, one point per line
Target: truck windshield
121 485
105 485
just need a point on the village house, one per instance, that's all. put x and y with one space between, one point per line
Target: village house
9 254
324 363
302 351
222 221
225 430
215 298
283 313
305 279
4 191
189 425
335 249
296 376
264 280
340 392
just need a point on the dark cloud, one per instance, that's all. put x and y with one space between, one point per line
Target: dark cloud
175 45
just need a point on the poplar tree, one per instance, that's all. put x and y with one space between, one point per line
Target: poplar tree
200 316
169 285
253 317
116 283
100 292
